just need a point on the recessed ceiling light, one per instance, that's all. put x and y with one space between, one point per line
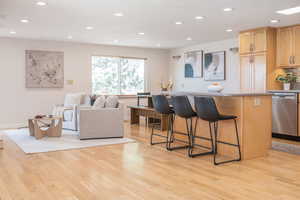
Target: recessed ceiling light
116 41
199 17
70 37
188 38
24 20
178 23
274 21
119 14
289 11
141 33
229 30
228 9
41 3
13 32
89 28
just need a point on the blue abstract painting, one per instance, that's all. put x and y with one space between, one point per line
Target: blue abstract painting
193 64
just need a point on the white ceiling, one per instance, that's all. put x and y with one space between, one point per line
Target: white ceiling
156 18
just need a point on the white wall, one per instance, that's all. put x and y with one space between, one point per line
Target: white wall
181 83
19 103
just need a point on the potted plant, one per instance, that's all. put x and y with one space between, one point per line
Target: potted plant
166 87
286 79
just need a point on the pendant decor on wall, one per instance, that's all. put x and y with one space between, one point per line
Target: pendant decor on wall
214 66
44 69
193 64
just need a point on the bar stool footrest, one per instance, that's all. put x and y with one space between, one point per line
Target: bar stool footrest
200 154
235 145
227 161
180 147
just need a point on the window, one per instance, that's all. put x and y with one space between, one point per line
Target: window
117 76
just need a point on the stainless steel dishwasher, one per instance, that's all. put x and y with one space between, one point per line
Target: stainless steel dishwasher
285 113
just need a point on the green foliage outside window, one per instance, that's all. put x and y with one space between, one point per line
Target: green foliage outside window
113 75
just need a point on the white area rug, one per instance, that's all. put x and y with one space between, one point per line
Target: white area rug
68 140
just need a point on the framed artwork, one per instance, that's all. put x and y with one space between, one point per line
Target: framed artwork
193 64
44 69
214 66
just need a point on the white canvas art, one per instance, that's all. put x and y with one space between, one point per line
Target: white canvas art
214 66
44 69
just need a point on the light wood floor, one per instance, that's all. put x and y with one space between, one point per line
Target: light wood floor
138 171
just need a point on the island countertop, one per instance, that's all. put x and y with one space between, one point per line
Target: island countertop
238 93
284 91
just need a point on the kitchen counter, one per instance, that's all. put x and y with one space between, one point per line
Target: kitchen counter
254 112
284 91
224 94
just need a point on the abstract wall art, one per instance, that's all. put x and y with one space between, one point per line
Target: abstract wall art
44 69
193 64
214 66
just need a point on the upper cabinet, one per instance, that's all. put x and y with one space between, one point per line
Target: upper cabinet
245 42
297 45
254 41
288 52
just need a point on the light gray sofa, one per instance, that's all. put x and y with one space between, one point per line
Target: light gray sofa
69 112
96 123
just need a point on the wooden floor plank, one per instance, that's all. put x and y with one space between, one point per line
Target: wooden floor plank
138 171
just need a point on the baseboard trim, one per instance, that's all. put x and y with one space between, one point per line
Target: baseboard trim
13 126
287 137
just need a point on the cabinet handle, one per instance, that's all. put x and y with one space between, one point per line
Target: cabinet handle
294 61
290 60
253 76
250 59
251 47
253 59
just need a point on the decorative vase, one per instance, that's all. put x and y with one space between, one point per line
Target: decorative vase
215 87
286 86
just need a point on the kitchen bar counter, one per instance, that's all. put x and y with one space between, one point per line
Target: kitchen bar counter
224 94
284 91
254 112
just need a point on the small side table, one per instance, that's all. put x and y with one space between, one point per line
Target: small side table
53 127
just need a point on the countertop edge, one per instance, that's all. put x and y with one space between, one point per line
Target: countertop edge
217 94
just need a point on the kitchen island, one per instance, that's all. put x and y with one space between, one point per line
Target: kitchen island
254 112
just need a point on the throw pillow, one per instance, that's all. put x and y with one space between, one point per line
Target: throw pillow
73 99
112 102
86 100
100 102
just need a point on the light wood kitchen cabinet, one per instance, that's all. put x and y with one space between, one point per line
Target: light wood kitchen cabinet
253 72
284 46
246 68
297 45
260 40
259 72
245 42
258 61
253 41
288 52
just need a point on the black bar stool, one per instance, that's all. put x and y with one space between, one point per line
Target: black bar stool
161 105
183 109
207 110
